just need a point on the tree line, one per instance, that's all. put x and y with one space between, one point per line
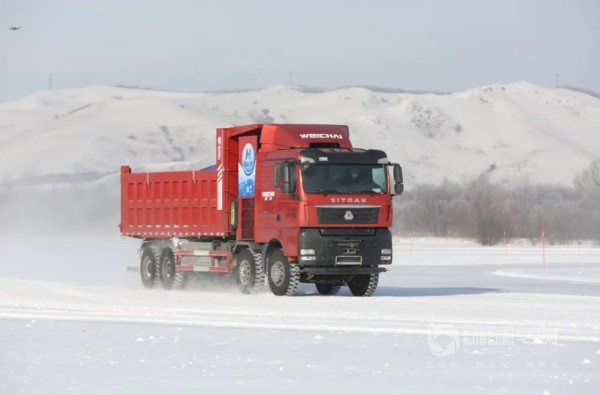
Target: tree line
491 212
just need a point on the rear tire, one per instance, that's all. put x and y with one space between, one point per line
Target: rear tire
170 278
363 284
327 289
149 267
283 275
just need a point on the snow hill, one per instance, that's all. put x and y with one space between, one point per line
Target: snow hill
79 135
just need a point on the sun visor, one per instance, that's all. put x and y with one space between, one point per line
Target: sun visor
343 156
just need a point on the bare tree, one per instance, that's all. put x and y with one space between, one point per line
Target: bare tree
589 179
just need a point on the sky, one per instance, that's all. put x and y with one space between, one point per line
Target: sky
192 45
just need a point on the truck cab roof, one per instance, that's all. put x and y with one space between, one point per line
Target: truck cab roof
274 137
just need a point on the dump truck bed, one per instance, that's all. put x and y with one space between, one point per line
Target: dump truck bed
171 204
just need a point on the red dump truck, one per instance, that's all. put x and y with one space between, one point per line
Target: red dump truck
284 204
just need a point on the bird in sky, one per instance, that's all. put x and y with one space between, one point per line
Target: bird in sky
14 28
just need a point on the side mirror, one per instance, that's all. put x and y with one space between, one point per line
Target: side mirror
398 188
397 173
398 180
286 186
285 178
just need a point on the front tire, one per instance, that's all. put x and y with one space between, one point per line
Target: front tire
363 284
283 275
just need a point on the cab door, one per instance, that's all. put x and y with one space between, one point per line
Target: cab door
266 202
279 205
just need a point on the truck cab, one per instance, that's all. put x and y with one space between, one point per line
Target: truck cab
325 205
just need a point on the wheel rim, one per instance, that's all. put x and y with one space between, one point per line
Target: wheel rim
146 265
277 273
166 268
245 272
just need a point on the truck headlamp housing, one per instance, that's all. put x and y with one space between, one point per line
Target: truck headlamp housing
307 251
308 258
386 251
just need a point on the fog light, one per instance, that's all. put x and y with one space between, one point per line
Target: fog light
307 251
308 258
386 251
386 258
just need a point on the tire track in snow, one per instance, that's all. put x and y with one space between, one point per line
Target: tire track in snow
518 315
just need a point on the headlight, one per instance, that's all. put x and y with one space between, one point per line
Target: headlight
307 251
386 258
386 251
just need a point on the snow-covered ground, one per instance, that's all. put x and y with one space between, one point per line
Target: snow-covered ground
449 317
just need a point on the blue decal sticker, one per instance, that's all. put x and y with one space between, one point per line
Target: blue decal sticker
247 172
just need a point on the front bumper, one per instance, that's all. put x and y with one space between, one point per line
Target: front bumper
344 249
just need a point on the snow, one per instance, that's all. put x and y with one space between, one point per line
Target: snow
531 133
585 275
73 320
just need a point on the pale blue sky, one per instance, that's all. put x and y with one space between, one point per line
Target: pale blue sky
229 44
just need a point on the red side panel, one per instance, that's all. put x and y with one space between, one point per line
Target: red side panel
168 204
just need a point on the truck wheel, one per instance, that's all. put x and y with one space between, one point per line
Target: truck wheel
148 267
283 275
248 271
363 284
327 289
170 278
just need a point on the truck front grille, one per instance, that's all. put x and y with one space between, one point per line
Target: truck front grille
348 215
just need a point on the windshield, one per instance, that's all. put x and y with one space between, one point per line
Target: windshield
332 178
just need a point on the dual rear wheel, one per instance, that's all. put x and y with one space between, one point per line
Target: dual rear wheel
157 266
